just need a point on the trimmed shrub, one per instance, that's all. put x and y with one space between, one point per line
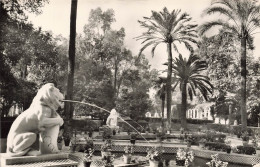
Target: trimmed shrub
84 125
248 150
199 121
219 127
216 146
209 136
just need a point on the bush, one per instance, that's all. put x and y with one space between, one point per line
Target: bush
210 136
219 128
84 125
248 150
216 146
237 130
199 121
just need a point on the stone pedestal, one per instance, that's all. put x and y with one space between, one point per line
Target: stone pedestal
61 159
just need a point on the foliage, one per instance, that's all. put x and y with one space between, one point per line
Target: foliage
220 52
241 25
160 135
107 134
34 53
67 135
108 160
216 146
168 28
245 136
128 149
154 154
185 154
107 145
248 150
216 162
189 77
88 153
202 140
133 136
113 72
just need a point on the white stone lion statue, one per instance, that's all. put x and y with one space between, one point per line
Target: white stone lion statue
40 118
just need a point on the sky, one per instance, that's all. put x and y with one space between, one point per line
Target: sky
55 17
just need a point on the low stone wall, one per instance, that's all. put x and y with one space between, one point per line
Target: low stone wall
232 158
171 148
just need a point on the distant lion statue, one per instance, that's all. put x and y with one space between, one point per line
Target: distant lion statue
40 118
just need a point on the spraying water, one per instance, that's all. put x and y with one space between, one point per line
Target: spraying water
93 105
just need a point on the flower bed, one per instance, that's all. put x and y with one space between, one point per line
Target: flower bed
248 150
216 146
209 136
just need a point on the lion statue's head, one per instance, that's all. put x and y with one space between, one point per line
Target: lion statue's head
50 96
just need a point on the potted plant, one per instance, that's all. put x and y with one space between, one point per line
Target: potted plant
108 160
189 140
88 156
202 142
90 133
245 138
133 138
146 130
228 147
106 148
181 130
154 156
184 157
160 136
73 144
128 154
215 162
107 134
237 131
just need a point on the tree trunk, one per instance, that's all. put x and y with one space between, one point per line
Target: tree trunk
71 62
162 108
115 77
243 83
183 105
229 114
168 84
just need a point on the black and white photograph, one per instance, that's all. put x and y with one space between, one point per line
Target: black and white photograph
130 83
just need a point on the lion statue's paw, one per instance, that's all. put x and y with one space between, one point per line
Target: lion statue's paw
34 153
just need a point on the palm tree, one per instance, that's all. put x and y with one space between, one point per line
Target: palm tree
188 77
71 62
161 85
242 19
168 28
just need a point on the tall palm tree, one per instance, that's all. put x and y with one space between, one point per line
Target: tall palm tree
71 62
242 18
161 85
168 28
189 78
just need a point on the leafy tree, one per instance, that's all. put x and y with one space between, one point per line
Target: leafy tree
32 47
168 27
242 19
16 8
189 77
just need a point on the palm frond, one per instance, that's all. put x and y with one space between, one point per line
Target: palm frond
208 25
